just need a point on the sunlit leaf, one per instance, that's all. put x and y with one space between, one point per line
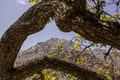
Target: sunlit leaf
36 77
101 71
106 18
109 78
117 15
59 45
49 21
111 68
54 73
106 64
44 72
80 60
33 1
76 46
78 37
114 50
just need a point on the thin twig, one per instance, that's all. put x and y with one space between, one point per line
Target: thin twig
106 54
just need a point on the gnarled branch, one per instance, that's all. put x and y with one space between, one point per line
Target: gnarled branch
66 18
32 21
55 64
79 5
89 27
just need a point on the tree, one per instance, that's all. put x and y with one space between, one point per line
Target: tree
69 16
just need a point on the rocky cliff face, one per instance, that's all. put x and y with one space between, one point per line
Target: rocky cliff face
91 60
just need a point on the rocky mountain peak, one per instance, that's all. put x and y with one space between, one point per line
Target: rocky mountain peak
92 59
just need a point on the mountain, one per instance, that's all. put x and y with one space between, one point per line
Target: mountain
92 60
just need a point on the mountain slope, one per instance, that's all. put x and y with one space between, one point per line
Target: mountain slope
90 60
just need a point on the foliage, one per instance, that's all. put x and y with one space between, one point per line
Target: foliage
80 60
60 45
78 37
36 77
97 14
47 76
33 1
106 69
98 7
76 46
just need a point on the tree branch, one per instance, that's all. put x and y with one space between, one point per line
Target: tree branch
89 27
66 18
79 5
34 66
32 21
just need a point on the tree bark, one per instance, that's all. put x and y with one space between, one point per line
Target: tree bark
67 19
34 66
86 24
30 22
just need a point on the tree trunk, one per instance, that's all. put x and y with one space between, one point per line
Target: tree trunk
67 19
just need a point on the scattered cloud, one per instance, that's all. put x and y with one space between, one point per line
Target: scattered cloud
22 1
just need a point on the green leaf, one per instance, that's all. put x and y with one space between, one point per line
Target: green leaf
59 45
106 18
76 46
78 37
33 1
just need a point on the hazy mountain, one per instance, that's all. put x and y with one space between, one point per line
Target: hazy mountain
93 60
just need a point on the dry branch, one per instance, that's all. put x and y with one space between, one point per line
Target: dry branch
55 64
66 18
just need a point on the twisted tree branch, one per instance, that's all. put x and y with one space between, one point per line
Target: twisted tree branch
89 27
32 21
66 18
51 63
79 5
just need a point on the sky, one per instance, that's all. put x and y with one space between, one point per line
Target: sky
11 10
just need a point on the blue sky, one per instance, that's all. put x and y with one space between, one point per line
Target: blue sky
11 10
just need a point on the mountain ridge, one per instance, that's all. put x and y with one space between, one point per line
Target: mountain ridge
92 61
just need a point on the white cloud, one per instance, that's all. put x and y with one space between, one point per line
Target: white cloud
21 2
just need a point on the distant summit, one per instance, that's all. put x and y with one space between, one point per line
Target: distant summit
93 60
